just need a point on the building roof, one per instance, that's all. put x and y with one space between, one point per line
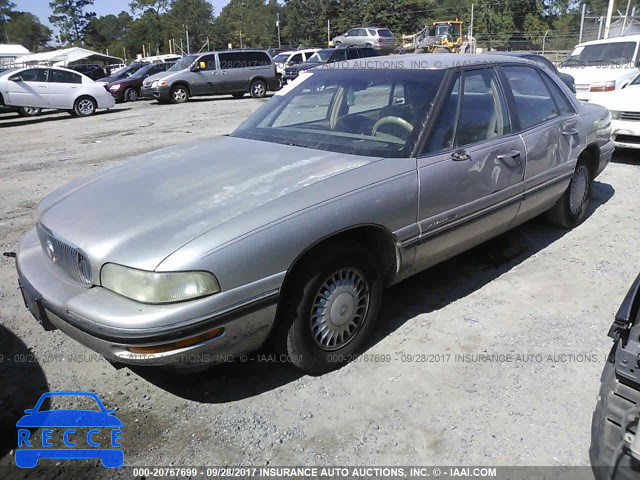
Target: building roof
68 56
7 49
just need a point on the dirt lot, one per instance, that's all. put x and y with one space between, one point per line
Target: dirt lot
495 355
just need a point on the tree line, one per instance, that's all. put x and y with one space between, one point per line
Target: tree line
252 23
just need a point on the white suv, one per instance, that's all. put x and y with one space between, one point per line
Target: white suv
603 66
294 57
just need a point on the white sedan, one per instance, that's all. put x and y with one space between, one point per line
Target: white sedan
57 88
624 105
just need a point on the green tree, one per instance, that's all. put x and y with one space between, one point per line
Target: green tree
108 32
250 22
194 16
6 8
70 17
25 29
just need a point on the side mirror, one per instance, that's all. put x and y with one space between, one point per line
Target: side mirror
16 78
195 68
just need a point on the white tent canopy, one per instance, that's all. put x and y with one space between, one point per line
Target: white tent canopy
8 53
68 56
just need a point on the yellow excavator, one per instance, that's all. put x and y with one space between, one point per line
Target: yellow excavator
443 36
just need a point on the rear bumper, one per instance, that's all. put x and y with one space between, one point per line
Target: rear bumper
95 317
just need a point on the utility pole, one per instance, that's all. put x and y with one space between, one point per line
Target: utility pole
278 25
607 25
186 29
626 15
328 32
471 23
584 11
601 21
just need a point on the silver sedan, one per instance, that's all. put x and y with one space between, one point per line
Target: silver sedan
288 230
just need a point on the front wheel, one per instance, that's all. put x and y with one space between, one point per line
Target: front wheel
258 89
179 94
29 111
84 107
331 308
571 209
131 95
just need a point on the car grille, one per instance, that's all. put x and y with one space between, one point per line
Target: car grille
632 139
635 116
69 260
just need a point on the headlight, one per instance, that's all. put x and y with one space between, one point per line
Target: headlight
614 114
152 287
115 88
154 84
603 86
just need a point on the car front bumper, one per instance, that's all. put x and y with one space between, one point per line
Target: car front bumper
96 317
159 93
626 133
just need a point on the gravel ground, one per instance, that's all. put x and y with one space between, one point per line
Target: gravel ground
492 358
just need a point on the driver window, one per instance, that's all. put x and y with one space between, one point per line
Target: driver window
34 75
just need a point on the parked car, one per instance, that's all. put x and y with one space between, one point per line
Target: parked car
327 56
93 71
624 105
603 65
615 432
346 181
234 72
122 73
57 88
381 39
293 57
128 89
544 62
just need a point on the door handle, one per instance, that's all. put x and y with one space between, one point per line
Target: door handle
459 156
573 131
42 86
513 154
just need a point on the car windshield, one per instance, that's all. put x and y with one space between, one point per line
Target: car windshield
184 62
281 58
321 56
377 114
142 72
602 54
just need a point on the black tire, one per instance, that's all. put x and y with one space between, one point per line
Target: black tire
84 107
571 209
29 111
608 459
337 44
131 95
179 94
237 95
258 89
304 333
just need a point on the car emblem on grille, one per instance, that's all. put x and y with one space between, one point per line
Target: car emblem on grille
51 253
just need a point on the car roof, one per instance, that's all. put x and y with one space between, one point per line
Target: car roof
626 38
430 61
519 54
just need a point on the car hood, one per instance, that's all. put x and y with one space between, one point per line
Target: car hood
138 212
126 81
157 76
593 74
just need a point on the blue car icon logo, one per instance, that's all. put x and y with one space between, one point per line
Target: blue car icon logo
85 434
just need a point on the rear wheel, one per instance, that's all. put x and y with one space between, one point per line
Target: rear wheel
29 111
330 309
84 107
337 44
571 209
258 89
179 94
131 95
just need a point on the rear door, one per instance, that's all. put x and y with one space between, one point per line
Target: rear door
64 87
548 124
471 169
233 67
28 88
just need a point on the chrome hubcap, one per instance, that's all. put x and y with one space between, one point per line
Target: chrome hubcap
258 89
339 309
179 94
133 96
85 106
578 189
31 110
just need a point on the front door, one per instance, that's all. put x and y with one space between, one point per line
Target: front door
471 170
207 79
28 88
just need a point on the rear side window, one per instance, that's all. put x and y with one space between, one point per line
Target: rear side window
533 100
60 76
562 102
473 112
230 60
385 32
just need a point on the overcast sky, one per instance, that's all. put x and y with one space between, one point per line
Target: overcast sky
41 9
